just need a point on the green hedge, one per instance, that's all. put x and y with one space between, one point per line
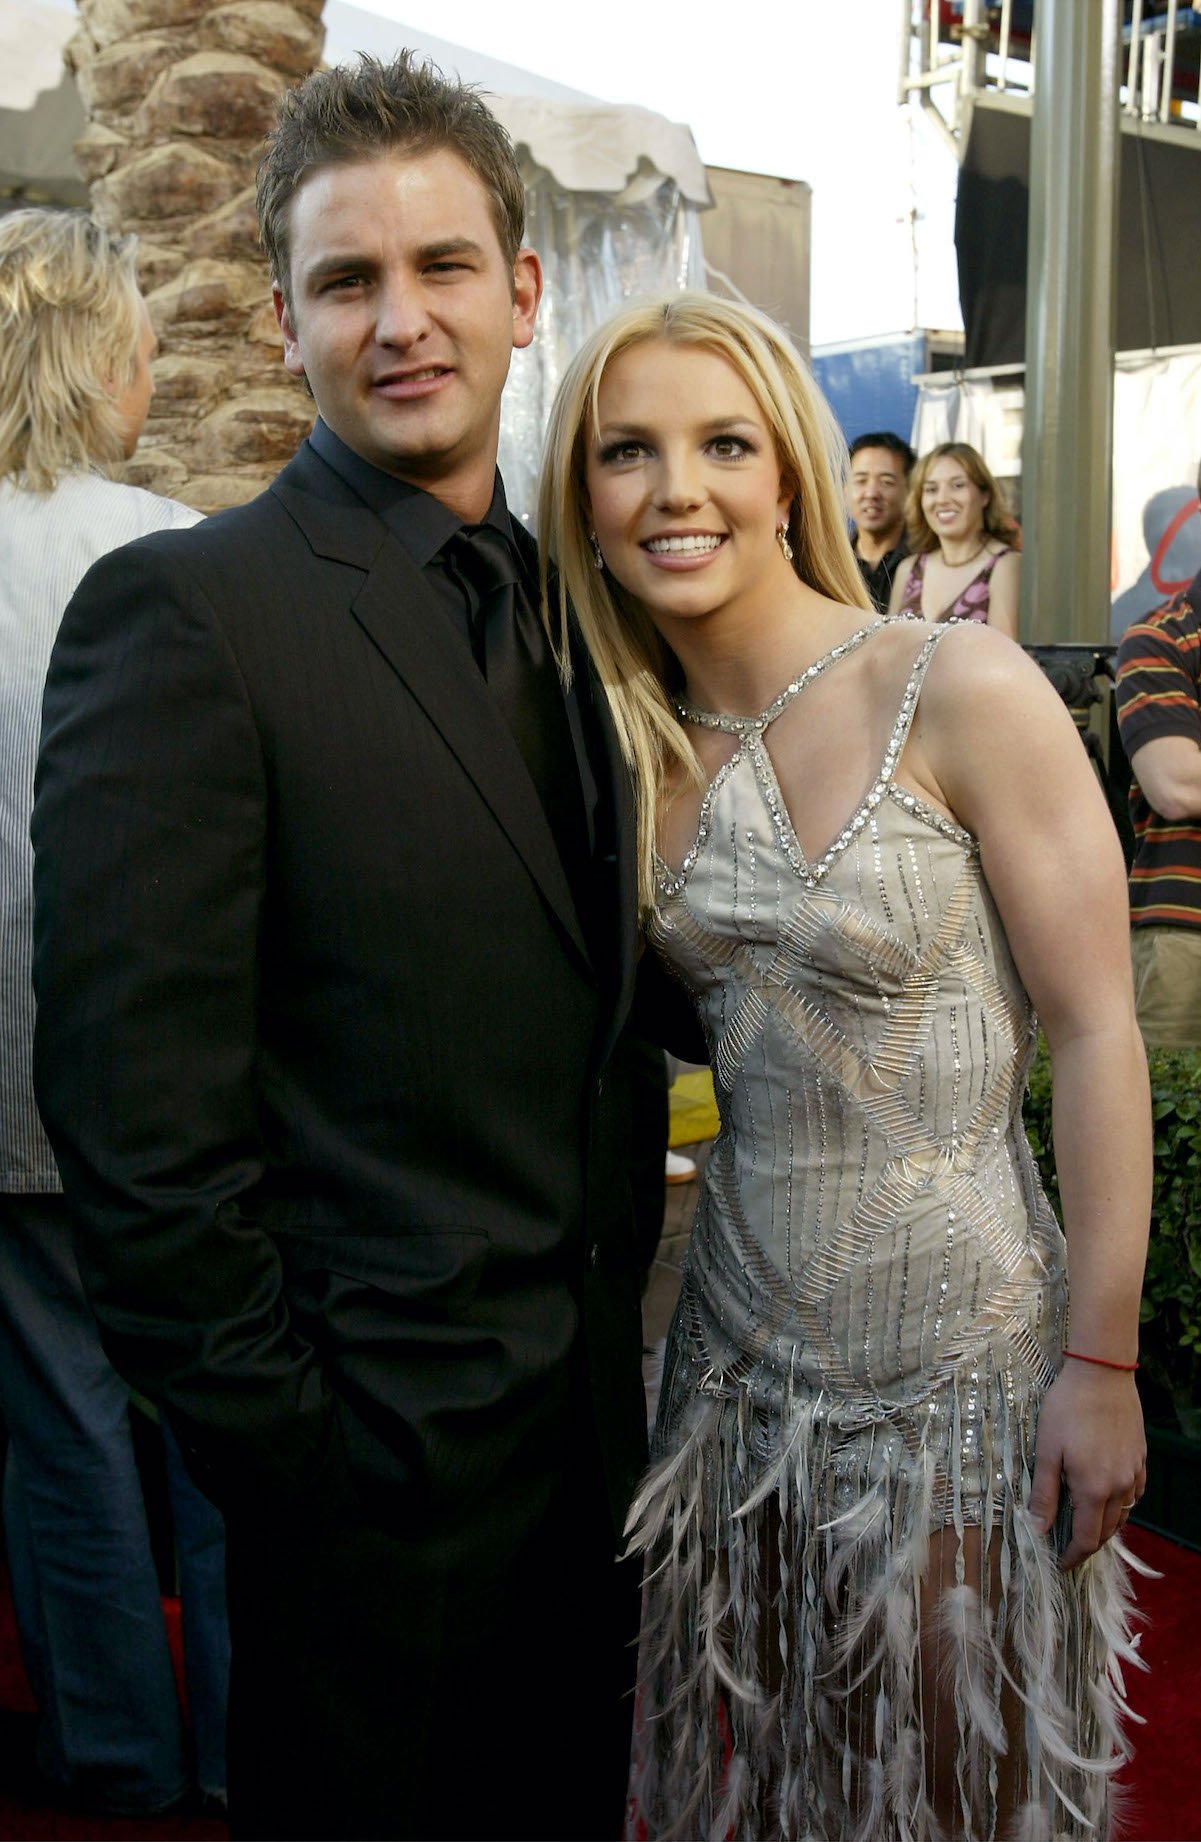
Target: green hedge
1170 1337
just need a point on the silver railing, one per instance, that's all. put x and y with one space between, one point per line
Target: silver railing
987 56
1155 35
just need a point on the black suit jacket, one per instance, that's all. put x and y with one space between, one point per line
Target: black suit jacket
320 1046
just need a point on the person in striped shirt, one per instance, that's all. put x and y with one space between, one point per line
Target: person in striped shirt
1159 718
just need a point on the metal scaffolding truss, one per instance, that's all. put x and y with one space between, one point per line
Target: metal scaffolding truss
957 52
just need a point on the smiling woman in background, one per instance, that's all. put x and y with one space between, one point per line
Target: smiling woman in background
878 1521
962 565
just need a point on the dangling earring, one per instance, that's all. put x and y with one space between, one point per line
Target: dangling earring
785 546
597 559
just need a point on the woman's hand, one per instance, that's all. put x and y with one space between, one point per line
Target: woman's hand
1091 1442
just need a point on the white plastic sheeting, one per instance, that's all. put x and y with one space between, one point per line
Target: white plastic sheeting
613 200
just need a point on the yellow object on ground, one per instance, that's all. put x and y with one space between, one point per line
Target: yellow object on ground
693 1110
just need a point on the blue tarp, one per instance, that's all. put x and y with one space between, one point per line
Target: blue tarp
871 387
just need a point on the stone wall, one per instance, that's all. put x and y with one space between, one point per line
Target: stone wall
179 94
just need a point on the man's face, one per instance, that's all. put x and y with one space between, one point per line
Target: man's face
404 316
877 491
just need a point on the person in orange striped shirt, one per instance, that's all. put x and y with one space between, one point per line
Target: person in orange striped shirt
1159 718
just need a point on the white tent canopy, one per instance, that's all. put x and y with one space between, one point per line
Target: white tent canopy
32 37
587 145
599 147
41 116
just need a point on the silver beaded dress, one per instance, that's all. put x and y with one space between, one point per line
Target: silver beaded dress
842 1579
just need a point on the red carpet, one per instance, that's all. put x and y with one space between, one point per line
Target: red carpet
20 1822
1163 1786
1164 1782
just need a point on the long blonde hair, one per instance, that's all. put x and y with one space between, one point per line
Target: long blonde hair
634 665
69 324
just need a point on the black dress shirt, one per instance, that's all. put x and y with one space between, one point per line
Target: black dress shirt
878 576
422 523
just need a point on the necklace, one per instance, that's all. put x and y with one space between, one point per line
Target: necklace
967 559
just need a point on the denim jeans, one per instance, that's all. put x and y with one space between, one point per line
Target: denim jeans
84 1583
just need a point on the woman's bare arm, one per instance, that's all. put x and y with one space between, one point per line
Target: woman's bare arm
1004 756
1004 593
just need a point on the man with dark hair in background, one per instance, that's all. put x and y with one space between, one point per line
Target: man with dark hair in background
879 481
337 912
1159 718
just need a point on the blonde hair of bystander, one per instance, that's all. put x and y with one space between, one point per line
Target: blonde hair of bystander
70 315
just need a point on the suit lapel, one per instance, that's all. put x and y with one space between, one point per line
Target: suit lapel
410 631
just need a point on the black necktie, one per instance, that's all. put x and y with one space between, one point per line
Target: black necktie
514 652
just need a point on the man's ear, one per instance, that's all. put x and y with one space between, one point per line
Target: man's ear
527 292
293 362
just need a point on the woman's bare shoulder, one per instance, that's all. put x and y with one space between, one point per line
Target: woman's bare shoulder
981 675
891 654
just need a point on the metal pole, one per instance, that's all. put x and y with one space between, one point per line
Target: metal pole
906 51
1152 65
1003 46
975 36
1136 40
1169 65
1067 441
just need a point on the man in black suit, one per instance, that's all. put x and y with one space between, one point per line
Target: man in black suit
335 941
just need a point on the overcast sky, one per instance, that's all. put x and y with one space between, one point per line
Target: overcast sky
799 88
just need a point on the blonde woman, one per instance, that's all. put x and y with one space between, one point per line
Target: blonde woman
75 349
889 1467
962 564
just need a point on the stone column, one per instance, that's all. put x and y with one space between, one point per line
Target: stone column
179 94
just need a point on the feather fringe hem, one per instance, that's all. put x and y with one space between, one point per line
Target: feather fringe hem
857 1635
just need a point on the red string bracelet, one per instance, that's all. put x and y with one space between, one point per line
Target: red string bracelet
1102 1362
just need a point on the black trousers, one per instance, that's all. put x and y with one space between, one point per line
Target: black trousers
473 1686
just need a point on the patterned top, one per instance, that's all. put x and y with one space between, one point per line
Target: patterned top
48 542
1158 693
971 603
